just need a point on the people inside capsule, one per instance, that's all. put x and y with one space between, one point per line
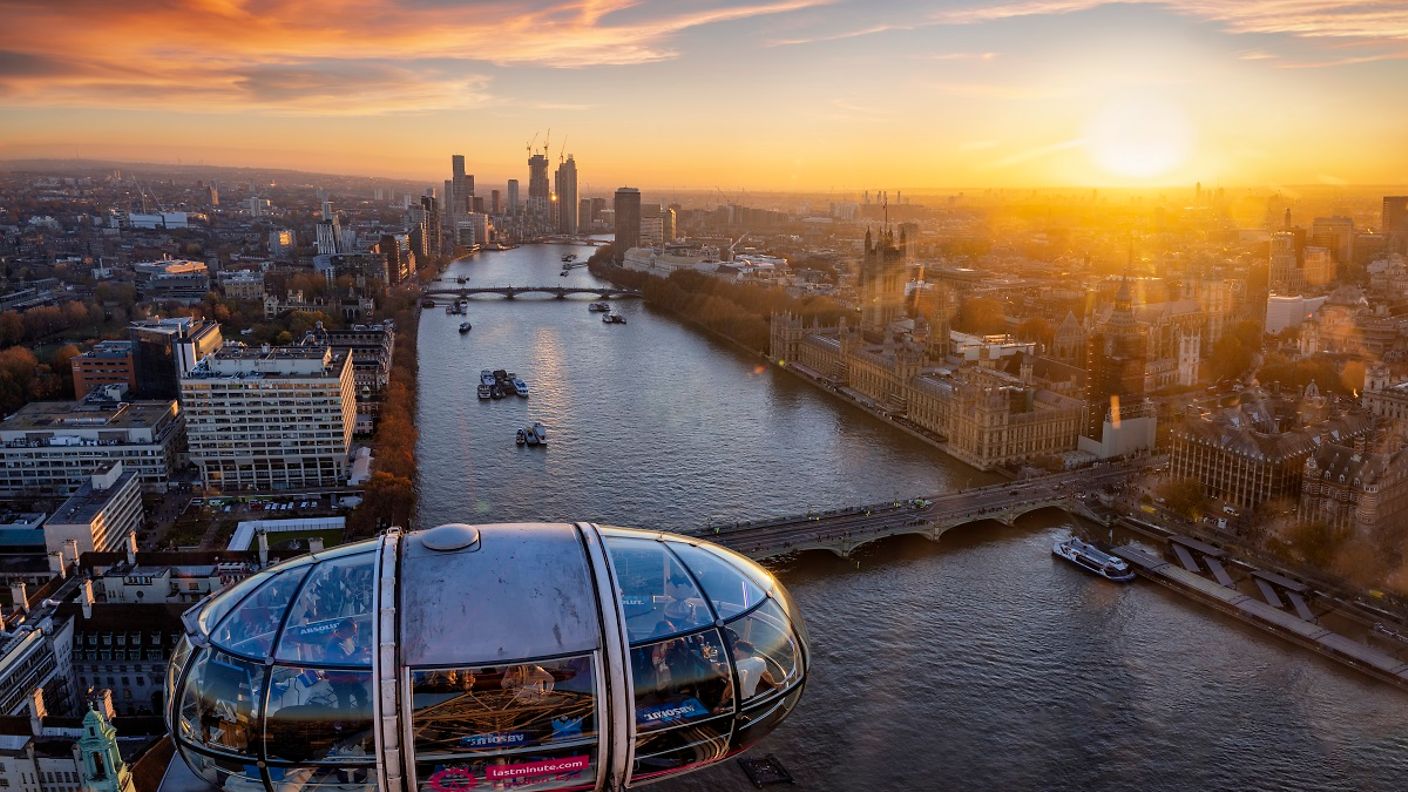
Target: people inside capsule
753 671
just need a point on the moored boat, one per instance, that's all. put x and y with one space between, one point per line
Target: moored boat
484 392
465 327
540 432
520 438
599 307
520 387
1094 560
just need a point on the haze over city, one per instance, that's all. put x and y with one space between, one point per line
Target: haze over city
790 95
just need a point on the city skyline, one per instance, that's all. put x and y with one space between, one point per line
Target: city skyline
799 95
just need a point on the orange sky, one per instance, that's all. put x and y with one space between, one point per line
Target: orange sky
777 94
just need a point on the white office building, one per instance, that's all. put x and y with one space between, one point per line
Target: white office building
277 418
100 516
49 448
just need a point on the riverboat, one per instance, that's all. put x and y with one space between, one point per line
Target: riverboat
1094 560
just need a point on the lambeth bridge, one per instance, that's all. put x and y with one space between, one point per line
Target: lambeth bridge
841 531
558 292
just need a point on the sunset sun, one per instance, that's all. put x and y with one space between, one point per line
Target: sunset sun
1139 138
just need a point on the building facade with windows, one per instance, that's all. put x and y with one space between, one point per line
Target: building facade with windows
988 417
107 363
49 448
277 418
101 515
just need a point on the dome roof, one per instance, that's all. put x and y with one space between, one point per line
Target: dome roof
548 654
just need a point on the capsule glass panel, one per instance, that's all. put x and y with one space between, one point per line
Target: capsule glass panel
756 722
658 596
681 680
220 703
330 622
320 779
729 590
179 657
671 750
502 708
319 715
249 629
221 604
226 772
764 650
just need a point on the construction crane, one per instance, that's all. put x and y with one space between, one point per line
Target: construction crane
735 244
547 143
147 195
561 149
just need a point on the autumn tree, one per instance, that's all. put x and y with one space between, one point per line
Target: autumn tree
1184 497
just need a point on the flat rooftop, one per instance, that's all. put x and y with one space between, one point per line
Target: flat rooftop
76 415
245 362
85 504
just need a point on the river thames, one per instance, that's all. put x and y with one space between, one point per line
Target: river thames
979 663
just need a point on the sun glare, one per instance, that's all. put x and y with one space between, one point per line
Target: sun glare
1139 138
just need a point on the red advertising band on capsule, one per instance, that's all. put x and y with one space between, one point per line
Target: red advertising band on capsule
567 764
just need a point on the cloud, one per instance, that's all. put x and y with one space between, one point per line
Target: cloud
869 31
347 56
957 56
1370 20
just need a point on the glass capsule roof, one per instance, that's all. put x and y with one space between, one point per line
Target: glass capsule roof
508 639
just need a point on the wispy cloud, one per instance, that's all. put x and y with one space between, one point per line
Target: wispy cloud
1371 20
849 34
342 56
957 56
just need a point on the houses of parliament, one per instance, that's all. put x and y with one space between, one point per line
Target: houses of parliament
994 403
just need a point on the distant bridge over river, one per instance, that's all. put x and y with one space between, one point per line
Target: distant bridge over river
842 531
511 292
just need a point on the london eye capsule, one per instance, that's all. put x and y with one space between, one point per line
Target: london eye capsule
525 656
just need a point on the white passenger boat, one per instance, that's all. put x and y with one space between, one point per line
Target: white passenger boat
1094 560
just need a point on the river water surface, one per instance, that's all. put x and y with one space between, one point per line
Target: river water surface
979 663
